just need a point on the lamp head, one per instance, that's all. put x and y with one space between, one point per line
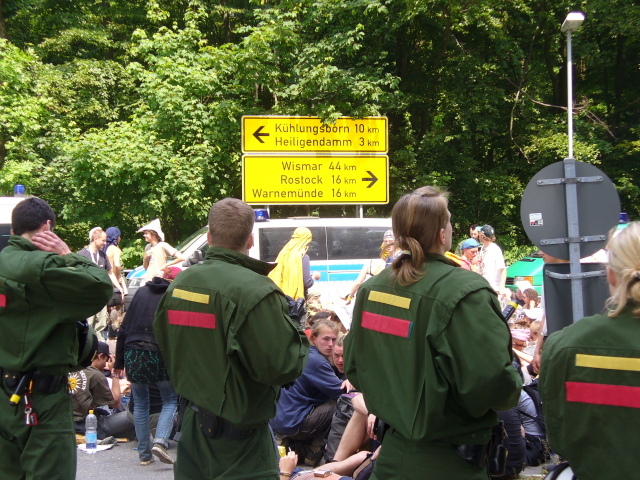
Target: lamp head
572 22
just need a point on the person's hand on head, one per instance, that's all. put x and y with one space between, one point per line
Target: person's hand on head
48 241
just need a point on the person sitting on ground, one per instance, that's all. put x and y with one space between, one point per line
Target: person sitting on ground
527 444
330 471
535 332
90 390
519 341
532 299
343 414
374 266
337 357
328 314
314 304
359 433
305 409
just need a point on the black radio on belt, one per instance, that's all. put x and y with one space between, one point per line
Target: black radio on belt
494 453
10 379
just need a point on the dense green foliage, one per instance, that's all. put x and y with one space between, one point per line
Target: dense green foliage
122 111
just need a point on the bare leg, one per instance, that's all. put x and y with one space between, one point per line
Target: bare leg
355 433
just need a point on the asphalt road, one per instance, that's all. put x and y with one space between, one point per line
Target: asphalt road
121 462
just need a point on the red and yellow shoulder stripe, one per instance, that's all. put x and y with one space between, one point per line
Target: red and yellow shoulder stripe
605 394
185 318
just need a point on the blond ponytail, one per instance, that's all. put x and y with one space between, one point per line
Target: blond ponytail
624 262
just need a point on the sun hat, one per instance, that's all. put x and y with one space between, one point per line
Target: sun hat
469 243
155 227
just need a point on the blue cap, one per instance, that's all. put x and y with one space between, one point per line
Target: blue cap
469 243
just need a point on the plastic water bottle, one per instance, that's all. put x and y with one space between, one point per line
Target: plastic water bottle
91 432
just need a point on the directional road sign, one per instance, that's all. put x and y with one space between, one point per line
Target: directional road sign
279 134
311 179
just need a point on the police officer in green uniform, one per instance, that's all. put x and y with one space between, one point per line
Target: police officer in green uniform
590 378
430 351
44 290
229 344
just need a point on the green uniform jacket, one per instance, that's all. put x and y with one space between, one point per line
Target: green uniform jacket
590 387
44 294
226 337
432 358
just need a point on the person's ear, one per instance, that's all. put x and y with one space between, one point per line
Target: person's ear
250 242
611 278
442 236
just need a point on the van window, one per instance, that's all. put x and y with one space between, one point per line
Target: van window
346 243
273 239
5 232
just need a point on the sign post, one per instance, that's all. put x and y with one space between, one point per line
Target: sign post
292 160
567 210
315 179
276 134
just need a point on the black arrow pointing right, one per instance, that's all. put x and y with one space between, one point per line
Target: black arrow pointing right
373 179
257 134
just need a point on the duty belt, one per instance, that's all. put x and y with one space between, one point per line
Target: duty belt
214 426
42 382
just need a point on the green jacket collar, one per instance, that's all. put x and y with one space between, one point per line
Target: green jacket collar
436 257
231 256
21 242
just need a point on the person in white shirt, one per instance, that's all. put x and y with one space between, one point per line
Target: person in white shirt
492 266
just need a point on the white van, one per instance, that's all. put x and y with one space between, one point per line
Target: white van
6 207
339 249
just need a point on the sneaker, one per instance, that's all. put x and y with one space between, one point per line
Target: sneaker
313 456
160 451
144 463
107 441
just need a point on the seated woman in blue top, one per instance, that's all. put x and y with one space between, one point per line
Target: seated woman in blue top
306 408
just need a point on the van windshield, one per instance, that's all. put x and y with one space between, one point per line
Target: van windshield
354 242
273 239
328 243
185 244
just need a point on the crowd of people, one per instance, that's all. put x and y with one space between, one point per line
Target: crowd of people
431 381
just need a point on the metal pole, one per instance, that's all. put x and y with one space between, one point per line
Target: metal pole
571 196
569 94
573 230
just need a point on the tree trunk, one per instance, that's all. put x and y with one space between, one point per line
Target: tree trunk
3 29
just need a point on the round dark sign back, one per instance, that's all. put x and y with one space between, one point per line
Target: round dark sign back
544 209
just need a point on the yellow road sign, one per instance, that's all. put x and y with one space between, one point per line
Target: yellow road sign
311 179
280 134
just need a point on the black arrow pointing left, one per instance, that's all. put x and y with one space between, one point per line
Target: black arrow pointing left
373 179
258 134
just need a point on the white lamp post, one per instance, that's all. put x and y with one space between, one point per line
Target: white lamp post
571 24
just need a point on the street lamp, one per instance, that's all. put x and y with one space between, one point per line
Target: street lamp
571 24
